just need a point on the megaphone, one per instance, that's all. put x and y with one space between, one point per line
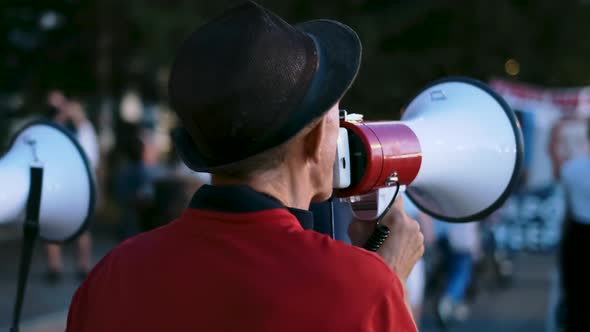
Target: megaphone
45 156
457 151
47 188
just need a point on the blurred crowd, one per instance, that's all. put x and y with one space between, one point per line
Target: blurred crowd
458 257
143 184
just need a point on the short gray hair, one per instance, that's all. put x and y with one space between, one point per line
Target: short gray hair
259 163
265 161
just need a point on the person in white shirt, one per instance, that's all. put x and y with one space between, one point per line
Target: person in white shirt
416 282
575 177
70 114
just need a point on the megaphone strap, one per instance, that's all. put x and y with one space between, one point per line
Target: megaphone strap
31 230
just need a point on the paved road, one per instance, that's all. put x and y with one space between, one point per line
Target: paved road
522 307
44 304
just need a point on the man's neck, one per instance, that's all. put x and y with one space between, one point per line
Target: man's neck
289 188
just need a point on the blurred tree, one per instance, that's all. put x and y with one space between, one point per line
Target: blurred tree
43 40
100 47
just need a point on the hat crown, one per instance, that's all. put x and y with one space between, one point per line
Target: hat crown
238 78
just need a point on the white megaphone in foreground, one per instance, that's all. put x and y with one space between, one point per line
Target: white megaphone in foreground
45 175
457 150
47 189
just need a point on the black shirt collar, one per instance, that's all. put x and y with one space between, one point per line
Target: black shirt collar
243 199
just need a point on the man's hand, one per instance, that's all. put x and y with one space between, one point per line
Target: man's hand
405 244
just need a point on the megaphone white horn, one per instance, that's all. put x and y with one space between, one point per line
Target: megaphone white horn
458 148
67 186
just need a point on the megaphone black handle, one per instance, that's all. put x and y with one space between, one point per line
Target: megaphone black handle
381 231
30 232
379 236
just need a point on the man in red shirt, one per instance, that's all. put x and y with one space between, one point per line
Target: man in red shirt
258 99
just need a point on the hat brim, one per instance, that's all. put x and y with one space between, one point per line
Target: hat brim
340 53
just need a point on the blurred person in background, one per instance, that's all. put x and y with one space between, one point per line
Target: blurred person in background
416 283
134 179
70 114
575 177
172 185
568 139
56 101
460 245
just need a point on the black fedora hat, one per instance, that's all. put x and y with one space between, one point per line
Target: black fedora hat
248 81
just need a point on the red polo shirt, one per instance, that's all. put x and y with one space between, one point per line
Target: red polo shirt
237 260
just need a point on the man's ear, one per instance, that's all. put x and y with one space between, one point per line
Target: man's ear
313 141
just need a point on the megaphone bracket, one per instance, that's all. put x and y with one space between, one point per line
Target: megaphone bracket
30 233
391 180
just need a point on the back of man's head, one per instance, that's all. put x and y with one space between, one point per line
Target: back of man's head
246 83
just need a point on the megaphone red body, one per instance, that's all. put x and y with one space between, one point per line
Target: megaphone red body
458 149
389 148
